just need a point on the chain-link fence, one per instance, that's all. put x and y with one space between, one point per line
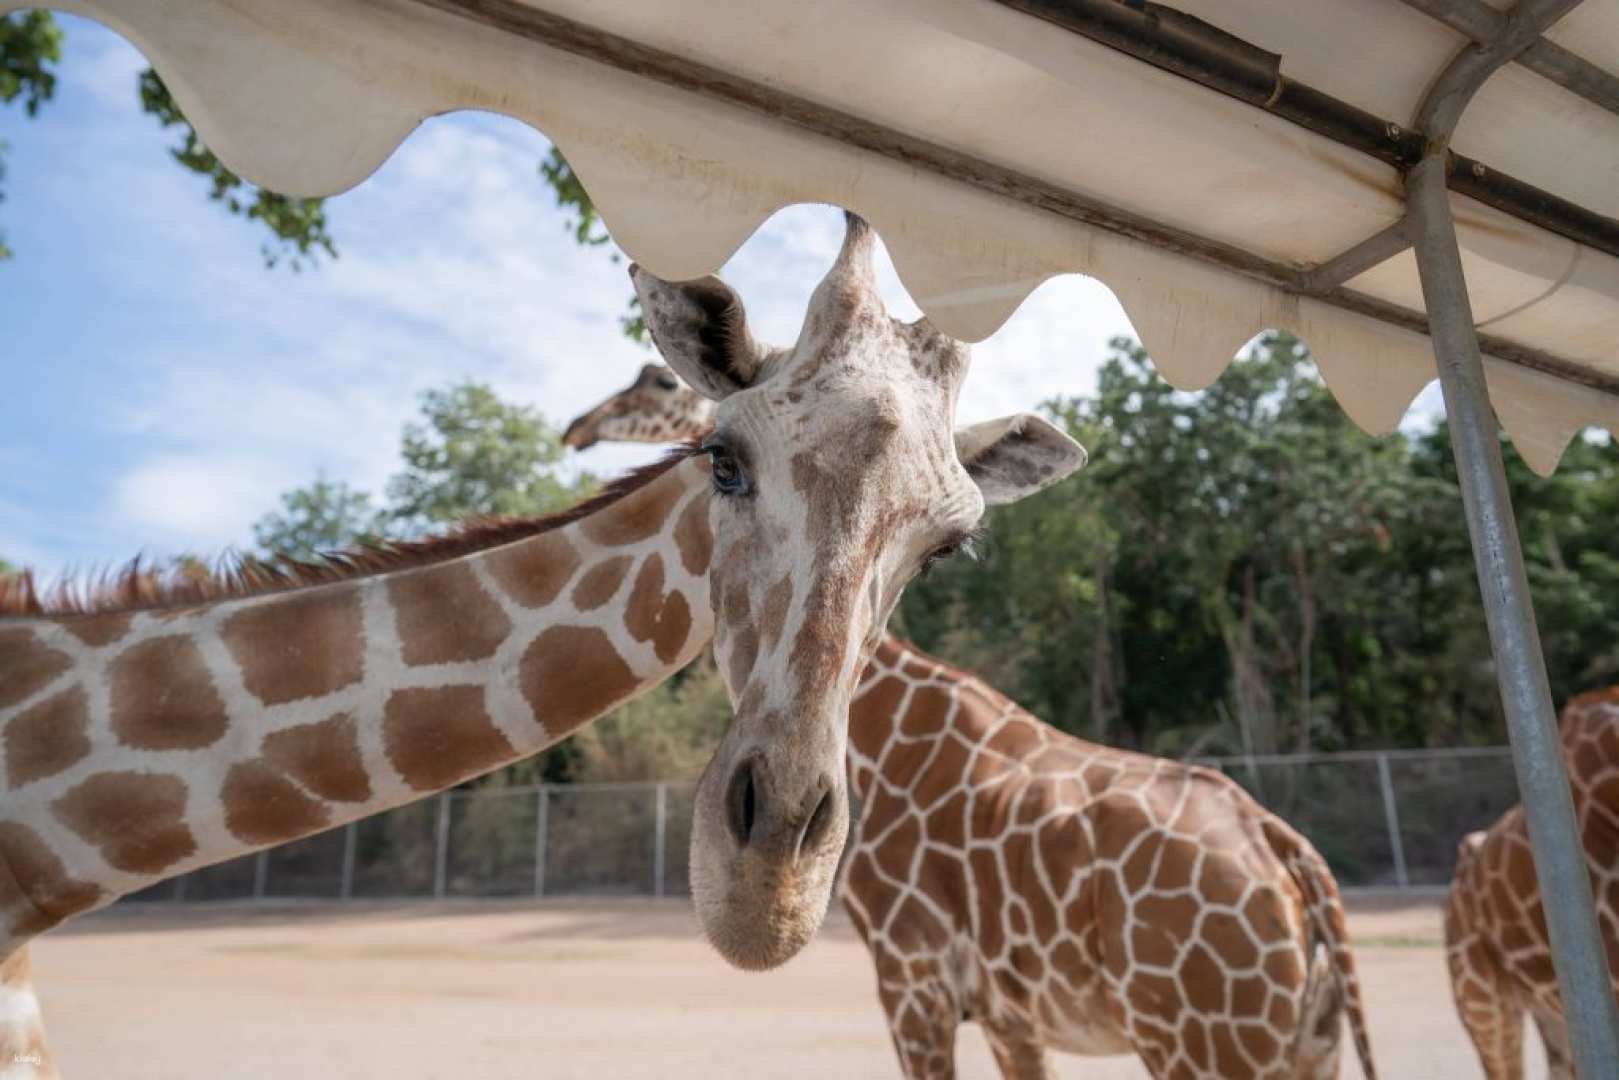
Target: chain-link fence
1382 818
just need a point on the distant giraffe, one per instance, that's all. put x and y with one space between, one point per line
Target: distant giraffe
159 727
1060 893
1495 928
656 408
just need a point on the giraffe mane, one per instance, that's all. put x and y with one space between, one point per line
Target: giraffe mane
141 585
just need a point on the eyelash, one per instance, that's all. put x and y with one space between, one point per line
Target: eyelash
967 545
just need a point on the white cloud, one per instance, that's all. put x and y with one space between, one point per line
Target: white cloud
198 502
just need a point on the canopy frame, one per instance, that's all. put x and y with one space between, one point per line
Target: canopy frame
1556 844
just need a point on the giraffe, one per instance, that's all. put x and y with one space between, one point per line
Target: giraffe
656 408
1073 896
1061 893
1495 928
155 728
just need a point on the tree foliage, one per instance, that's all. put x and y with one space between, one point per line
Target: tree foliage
328 515
477 455
30 45
1243 569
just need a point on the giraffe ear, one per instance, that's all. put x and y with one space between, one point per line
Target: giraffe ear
1014 456
701 329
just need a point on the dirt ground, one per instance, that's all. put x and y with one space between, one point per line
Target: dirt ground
593 989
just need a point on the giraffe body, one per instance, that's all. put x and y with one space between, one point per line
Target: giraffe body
1075 897
1495 927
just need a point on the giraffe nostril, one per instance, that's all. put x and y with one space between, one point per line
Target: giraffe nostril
819 821
741 803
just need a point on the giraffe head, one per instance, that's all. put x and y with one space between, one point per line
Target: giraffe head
837 476
656 407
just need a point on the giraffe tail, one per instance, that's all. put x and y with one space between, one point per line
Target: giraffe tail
1325 909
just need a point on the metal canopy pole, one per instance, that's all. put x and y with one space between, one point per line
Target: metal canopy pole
1537 753
1559 855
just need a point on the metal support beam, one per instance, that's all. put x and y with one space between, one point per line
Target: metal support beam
1549 60
1559 856
1375 249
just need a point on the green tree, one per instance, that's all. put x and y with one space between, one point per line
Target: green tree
327 515
477 455
30 45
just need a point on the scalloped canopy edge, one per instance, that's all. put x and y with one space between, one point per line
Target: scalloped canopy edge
310 97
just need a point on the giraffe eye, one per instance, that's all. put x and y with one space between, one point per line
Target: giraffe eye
729 477
964 542
668 382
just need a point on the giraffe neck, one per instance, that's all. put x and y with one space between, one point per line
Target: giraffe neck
138 746
906 701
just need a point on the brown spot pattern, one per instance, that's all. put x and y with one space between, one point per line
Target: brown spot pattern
571 674
533 572
778 598
694 538
324 757
444 615
305 644
48 737
441 736
636 516
600 583
264 807
37 882
163 697
28 665
136 819
652 615
98 630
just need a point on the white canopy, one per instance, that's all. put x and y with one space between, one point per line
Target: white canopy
992 149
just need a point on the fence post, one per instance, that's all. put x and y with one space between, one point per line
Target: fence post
180 886
1391 816
441 848
345 887
658 839
541 823
261 873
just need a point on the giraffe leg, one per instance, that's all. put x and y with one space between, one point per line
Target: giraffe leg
1489 1009
1017 1051
23 1053
1554 1035
922 1017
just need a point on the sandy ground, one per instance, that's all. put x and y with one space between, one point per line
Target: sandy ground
592 989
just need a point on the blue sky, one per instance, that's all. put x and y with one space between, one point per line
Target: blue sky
161 387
